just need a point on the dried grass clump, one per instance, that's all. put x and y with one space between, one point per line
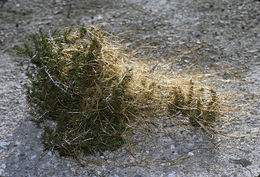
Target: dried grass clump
91 88
158 90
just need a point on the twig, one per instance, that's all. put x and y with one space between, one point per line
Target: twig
155 66
202 126
54 82
43 114
51 38
127 70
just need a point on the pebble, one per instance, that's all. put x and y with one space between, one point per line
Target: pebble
18 143
4 145
3 166
252 51
190 154
99 17
49 153
132 159
16 166
255 131
104 167
33 157
171 175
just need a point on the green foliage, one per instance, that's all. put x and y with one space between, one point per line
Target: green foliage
70 87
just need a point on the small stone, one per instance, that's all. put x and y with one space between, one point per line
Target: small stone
104 167
99 17
132 159
4 145
198 42
252 51
18 143
171 175
16 166
49 153
18 86
175 153
3 166
255 131
33 157
190 154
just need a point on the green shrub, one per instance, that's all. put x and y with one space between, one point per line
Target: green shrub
79 84
85 82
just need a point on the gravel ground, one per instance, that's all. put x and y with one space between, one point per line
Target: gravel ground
229 31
